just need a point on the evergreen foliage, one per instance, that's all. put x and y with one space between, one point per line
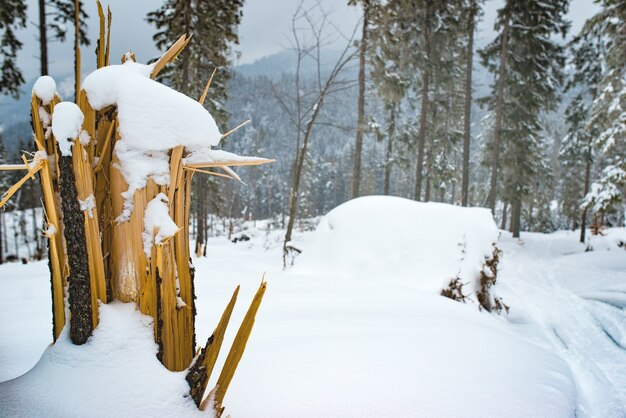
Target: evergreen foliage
12 18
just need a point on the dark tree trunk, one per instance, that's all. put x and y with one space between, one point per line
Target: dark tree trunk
424 106
186 87
516 217
77 59
505 209
583 217
390 133
358 148
43 38
495 159
1 237
468 105
200 216
79 297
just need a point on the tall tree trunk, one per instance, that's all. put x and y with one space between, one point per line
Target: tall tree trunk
516 216
390 133
38 251
200 215
505 209
424 106
77 68
79 292
43 38
495 159
583 217
468 105
358 148
1 237
186 87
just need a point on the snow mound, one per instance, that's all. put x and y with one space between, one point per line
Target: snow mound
423 245
67 121
151 115
158 226
153 119
68 380
45 89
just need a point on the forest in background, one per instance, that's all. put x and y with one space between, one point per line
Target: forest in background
529 125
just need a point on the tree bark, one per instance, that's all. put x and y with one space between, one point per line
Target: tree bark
495 159
186 88
77 60
43 38
201 216
1 237
358 148
516 215
390 133
504 213
468 105
583 217
79 293
424 106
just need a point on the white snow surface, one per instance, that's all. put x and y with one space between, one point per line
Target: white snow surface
115 374
158 225
67 122
45 89
153 119
325 345
216 155
422 245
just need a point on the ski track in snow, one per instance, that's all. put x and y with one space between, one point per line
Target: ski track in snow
587 328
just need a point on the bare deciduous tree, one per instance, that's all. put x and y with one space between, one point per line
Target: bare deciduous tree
311 32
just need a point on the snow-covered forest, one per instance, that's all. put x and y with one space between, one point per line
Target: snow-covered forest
431 192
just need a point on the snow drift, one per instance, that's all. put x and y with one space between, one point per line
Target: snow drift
422 245
116 373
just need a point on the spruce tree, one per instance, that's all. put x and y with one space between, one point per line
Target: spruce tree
529 64
12 18
360 129
390 78
425 34
472 10
576 153
608 111
213 26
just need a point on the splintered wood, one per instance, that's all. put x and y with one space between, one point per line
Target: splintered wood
161 284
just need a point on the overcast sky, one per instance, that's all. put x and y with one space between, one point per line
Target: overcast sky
262 32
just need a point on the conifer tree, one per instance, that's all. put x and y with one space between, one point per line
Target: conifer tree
608 111
213 27
360 129
389 78
427 37
471 12
12 18
529 64
576 153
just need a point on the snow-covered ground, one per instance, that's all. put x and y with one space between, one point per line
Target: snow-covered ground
345 345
